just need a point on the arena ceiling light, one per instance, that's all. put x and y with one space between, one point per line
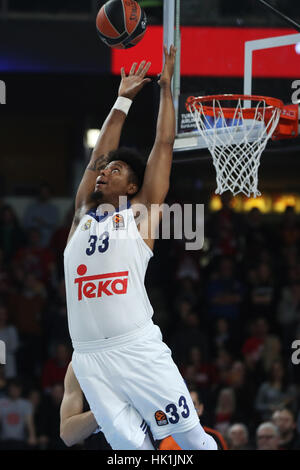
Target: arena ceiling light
91 137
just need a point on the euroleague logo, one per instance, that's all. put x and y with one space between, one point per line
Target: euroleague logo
100 285
160 418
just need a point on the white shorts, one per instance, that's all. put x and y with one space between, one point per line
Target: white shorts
131 382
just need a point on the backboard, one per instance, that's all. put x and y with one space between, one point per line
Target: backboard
251 57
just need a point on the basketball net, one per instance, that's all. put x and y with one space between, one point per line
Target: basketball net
236 142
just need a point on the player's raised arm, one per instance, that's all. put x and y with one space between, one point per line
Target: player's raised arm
157 174
110 133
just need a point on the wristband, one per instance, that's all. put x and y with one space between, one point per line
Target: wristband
122 104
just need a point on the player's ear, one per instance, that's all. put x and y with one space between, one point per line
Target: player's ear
132 188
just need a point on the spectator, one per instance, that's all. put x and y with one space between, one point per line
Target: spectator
275 393
42 215
225 293
238 437
26 304
16 419
289 229
187 334
257 235
225 410
11 234
244 392
224 229
5 279
288 313
37 401
55 318
285 421
262 293
9 335
267 437
34 258
56 367
222 336
59 240
3 382
50 418
199 372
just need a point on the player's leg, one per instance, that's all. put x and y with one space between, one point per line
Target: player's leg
123 426
195 439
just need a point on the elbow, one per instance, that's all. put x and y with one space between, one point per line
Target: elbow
66 438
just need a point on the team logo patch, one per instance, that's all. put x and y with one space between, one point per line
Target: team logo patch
118 221
161 418
87 225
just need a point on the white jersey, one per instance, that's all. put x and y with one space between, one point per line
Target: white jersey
105 264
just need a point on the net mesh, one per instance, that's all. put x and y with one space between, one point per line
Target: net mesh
236 144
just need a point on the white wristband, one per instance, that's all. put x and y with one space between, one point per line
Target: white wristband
122 104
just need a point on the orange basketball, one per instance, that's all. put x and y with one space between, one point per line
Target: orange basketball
121 23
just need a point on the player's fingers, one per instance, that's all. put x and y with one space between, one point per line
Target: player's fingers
146 68
132 68
123 75
140 69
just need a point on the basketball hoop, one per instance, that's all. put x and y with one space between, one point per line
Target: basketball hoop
237 136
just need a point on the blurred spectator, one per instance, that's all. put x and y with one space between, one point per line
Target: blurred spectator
42 215
260 349
59 240
223 363
224 292
17 427
55 318
26 304
238 437
11 234
34 258
9 335
222 336
50 418
224 229
257 235
5 279
187 291
225 410
244 392
55 368
289 229
288 313
285 421
37 401
3 382
275 393
198 371
267 437
262 293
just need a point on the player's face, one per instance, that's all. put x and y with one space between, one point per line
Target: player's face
114 181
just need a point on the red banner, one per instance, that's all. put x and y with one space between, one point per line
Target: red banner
214 51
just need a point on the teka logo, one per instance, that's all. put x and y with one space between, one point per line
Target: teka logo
96 286
2 353
2 92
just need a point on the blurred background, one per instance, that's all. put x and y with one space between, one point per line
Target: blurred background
229 312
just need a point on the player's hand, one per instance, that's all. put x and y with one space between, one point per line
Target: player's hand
168 69
130 85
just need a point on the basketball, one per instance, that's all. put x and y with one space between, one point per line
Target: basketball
121 23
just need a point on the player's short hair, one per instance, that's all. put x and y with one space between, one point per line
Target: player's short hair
133 159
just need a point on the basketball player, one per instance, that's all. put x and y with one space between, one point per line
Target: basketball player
120 361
